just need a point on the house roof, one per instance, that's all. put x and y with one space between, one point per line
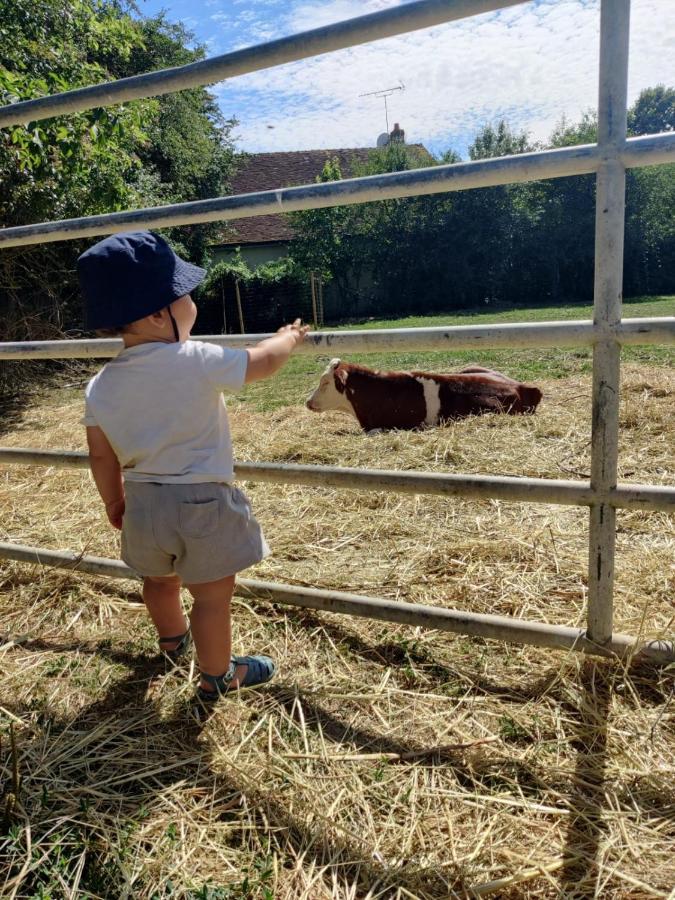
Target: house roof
267 171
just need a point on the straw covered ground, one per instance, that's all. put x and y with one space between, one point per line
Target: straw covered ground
383 761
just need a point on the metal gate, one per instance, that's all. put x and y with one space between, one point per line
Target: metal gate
609 159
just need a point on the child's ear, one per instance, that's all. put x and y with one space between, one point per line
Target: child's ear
156 319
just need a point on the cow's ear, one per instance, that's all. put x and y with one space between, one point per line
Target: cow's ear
340 376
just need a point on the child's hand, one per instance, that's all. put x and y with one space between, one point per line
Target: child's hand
297 329
115 513
270 355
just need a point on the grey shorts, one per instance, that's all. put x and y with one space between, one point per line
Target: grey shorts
201 532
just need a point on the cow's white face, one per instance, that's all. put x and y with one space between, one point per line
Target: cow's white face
327 396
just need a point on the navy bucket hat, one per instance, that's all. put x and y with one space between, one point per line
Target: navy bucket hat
131 275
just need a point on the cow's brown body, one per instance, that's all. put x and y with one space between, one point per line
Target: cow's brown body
408 400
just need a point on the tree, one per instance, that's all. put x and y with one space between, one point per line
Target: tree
449 157
653 111
59 167
496 141
585 131
97 161
392 233
650 202
324 237
189 145
516 244
561 248
486 224
368 249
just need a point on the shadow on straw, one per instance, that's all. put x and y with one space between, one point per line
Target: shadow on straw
119 757
404 654
587 829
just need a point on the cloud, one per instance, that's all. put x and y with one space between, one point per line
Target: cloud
529 64
316 14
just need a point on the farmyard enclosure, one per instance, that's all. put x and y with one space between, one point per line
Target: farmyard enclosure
439 738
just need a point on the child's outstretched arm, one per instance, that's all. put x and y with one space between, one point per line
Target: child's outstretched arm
269 355
107 474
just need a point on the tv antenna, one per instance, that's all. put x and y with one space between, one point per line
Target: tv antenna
386 92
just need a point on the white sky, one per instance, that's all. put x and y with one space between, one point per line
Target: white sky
530 64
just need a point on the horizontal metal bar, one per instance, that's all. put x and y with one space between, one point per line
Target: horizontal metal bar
482 487
478 487
349 33
430 180
574 333
580 160
631 332
503 628
648 150
28 456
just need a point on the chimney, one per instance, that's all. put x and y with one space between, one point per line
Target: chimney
397 136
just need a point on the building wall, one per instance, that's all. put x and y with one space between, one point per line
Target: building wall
254 255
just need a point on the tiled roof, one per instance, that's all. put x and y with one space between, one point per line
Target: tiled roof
266 171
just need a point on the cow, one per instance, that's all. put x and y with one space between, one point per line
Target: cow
406 400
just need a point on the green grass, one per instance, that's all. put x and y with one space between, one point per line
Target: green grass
293 384
635 308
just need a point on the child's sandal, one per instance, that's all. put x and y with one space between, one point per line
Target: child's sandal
180 650
259 670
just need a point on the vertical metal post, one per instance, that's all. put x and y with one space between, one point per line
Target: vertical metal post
609 237
312 285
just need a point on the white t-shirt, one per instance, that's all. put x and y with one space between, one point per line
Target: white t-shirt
161 408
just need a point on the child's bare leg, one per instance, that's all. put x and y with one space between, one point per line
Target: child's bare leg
161 596
211 621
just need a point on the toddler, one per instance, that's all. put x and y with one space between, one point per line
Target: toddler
160 449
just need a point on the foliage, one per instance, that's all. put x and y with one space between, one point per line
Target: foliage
492 141
585 131
418 253
269 295
653 111
138 154
517 244
237 269
325 244
189 145
650 220
367 249
278 270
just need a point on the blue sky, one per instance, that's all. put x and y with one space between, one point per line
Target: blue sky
530 64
